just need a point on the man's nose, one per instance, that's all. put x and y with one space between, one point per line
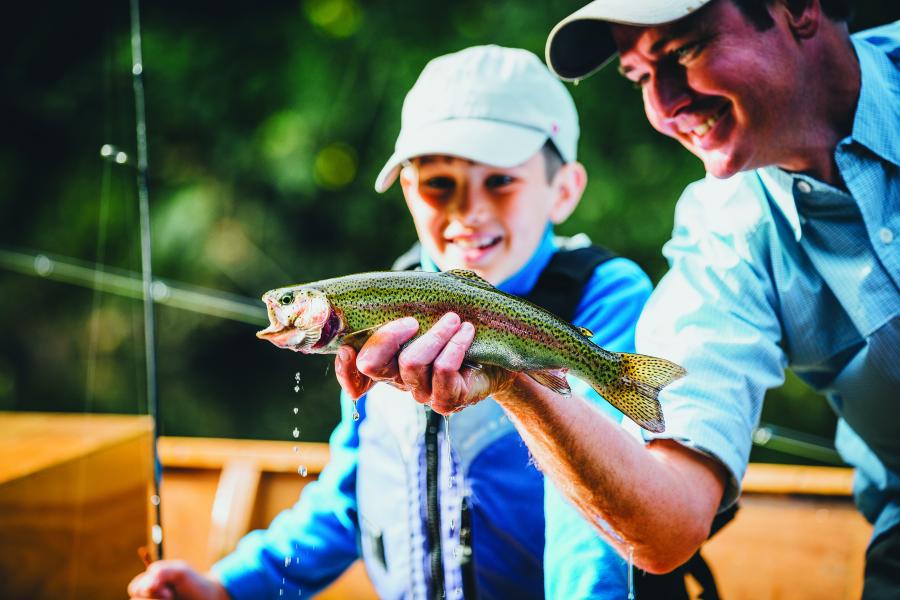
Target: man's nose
669 93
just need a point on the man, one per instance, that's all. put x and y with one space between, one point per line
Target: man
486 160
783 255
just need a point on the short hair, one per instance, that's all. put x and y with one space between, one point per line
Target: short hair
756 11
553 160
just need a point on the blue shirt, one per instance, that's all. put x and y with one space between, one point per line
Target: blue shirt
308 546
772 269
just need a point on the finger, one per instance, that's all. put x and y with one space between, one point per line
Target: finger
415 360
354 383
377 358
449 388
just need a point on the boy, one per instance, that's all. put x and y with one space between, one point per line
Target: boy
486 161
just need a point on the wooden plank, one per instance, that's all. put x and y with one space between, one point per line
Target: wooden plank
233 506
796 479
213 453
73 504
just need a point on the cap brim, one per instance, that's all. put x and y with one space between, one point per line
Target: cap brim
582 44
490 142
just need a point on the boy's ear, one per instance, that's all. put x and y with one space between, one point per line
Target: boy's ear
568 185
801 16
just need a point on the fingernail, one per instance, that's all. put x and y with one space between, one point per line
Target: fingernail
410 322
467 328
450 318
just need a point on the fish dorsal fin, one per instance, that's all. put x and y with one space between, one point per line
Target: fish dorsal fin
586 332
471 277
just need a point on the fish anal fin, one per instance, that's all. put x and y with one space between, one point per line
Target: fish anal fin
553 379
471 277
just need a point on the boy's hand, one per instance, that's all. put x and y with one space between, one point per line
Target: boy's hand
175 580
430 368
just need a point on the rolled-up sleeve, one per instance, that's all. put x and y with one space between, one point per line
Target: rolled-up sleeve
715 314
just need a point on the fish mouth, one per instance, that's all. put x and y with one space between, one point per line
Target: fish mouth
302 339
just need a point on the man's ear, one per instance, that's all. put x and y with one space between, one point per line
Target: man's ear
568 186
801 16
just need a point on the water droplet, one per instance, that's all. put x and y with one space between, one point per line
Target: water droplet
281 592
452 525
302 470
296 410
287 561
156 534
296 433
296 448
297 376
154 500
296 388
355 412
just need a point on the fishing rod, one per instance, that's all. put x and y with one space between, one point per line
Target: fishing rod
129 284
137 70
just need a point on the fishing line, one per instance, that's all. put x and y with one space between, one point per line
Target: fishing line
137 70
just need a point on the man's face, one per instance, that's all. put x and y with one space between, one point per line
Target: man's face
474 216
725 90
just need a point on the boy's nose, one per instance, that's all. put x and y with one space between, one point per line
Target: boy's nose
470 204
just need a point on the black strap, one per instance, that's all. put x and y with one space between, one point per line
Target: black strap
560 286
432 506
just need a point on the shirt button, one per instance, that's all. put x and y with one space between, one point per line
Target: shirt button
886 235
803 187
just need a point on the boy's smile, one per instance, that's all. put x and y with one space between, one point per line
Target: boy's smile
474 216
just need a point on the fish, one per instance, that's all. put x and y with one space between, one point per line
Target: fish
510 332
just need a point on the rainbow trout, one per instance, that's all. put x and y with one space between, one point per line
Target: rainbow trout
511 333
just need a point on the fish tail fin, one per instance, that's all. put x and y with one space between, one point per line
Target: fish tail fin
636 385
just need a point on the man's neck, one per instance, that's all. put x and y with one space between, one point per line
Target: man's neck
832 88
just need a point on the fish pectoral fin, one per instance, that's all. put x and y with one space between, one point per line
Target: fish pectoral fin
553 379
471 277
358 338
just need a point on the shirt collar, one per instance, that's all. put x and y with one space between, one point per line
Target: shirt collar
876 124
521 282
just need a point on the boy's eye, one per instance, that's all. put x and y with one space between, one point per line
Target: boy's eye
498 181
440 184
640 82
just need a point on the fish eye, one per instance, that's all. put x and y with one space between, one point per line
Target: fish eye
286 299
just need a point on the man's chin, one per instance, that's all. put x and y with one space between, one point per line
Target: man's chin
720 165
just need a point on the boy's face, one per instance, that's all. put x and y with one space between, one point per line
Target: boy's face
486 219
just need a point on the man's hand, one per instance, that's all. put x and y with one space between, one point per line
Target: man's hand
175 580
430 368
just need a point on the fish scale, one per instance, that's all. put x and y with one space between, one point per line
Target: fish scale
510 332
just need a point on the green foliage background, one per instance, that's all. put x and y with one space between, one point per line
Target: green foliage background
267 124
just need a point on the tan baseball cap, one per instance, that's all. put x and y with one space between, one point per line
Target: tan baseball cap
581 44
489 104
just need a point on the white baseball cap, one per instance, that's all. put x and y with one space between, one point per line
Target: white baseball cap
488 104
581 43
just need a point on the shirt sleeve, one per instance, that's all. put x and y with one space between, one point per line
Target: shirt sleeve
715 314
578 563
308 546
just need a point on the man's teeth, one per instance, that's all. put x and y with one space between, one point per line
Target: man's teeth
705 126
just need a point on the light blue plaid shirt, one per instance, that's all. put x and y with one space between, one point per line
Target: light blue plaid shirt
772 269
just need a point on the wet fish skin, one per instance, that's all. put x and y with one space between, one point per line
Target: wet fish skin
510 332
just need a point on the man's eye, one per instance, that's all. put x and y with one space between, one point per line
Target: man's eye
688 51
440 184
498 181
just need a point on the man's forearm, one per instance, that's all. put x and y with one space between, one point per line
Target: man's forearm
660 499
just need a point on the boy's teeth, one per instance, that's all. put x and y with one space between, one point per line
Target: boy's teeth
701 129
